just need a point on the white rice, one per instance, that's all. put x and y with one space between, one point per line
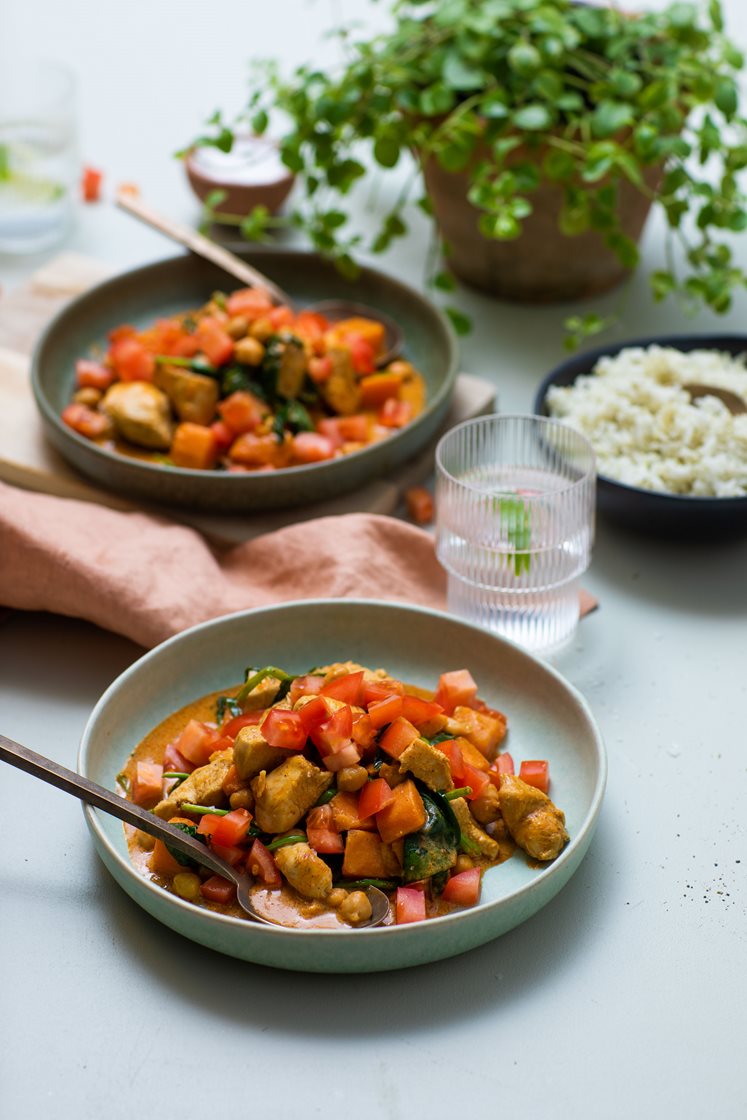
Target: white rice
645 429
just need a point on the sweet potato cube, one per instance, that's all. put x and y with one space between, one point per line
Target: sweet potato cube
367 857
405 814
194 446
345 813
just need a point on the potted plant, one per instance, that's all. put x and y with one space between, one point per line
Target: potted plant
542 130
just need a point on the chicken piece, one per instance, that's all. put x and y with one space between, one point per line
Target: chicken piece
428 764
304 870
291 369
341 390
193 395
534 822
486 807
286 793
141 413
252 753
262 695
472 831
204 786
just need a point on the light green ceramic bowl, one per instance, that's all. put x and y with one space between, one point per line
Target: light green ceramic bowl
547 719
169 286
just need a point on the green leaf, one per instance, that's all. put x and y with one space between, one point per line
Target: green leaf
259 122
726 97
558 165
460 75
533 118
444 282
624 249
610 117
459 321
662 285
436 100
716 14
524 59
682 15
386 151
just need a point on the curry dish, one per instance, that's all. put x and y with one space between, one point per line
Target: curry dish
323 784
242 385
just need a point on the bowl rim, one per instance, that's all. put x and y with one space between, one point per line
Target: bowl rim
694 342
269 933
239 479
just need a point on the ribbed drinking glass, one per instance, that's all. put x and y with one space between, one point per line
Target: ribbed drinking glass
515 518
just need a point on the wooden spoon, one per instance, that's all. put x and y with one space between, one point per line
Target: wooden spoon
202 246
733 401
101 798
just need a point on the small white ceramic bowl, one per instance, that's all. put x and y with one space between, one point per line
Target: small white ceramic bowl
547 718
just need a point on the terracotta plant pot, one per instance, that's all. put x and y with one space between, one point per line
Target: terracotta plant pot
543 265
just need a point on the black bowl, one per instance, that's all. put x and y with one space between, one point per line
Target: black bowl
650 511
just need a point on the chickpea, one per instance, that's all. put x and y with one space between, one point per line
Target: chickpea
187 885
352 778
463 863
237 327
242 799
356 908
336 897
261 329
88 395
250 351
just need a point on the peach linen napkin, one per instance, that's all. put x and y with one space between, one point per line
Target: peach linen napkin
148 578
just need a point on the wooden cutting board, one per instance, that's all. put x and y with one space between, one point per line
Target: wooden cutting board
27 460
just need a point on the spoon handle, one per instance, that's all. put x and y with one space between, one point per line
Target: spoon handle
85 790
202 246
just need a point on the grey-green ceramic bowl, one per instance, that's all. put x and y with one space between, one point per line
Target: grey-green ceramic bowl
547 719
166 287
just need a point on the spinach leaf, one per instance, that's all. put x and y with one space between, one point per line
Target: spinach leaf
227 704
256 676
434 849
182 857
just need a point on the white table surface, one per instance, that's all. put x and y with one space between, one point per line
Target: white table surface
624 997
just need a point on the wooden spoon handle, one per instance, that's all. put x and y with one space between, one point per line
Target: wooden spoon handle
201 245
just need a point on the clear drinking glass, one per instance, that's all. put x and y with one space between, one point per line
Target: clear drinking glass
515 525
39 163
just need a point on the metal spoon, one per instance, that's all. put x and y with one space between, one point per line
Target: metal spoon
101 798
203 247
733 401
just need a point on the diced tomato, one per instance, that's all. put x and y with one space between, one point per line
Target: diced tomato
362 353
214 341
174 760
419 711
536 773
124 330
196 742
374 691
218 889
250 303
283 728
346 755
335 732
321 832
364 732
90 184
313 714
329 427
463 888
457 687
233 855
85 421
453 752
241 411
231 728
394 413
349 688
477 779
261 864
419 502
147 785
386 710
92 375
374 795
131 360
280 317
504 764
320 369
311 447
310 325
398 737
224 436
186 347
305 686
409 905
229 830
355 429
